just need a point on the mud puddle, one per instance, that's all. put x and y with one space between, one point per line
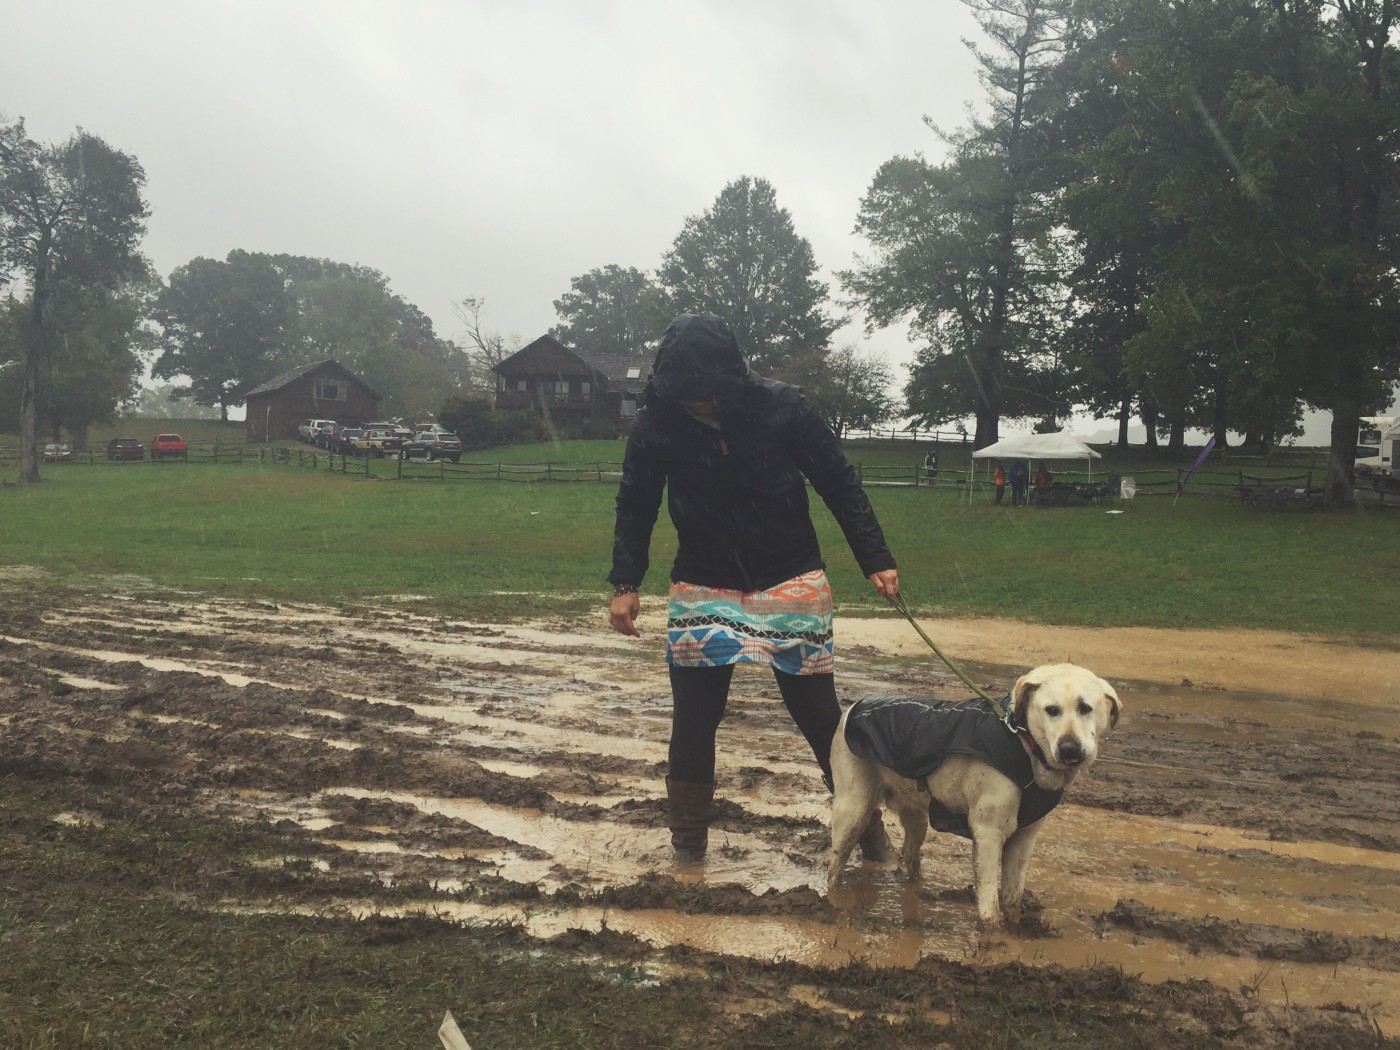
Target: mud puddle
1242 828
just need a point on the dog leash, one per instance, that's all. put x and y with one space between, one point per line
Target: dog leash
898 602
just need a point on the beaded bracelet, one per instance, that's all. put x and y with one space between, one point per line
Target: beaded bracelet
624 588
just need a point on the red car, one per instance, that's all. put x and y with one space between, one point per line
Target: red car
168 446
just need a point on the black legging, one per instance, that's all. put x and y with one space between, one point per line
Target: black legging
698 698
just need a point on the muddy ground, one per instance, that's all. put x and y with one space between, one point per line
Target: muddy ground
1231 866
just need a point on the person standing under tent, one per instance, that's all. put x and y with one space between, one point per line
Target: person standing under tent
999 479
733 451
1018 483
1042 483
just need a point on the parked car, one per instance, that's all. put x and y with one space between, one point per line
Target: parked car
168 446
56 452
431 444
374 441
125 448
343 442
307 429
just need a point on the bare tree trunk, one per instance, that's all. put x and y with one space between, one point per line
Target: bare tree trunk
29 419
1150 417
1341 455
33 351
1125 412
1219 411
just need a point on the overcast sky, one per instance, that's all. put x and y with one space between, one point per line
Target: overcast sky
493 149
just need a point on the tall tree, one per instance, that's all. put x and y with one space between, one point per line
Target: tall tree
94 358
852 389
71 220
225 326
385 340
1243 178
612 310
1360 282
743 260
962 249
484 349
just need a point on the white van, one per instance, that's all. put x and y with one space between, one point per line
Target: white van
308 429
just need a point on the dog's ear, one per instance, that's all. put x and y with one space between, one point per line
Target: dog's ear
1021 695
1115 705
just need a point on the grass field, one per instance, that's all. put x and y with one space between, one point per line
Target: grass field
487 549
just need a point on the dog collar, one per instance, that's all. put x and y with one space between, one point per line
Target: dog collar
1023 733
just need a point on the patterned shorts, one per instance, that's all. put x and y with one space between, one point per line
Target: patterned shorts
787 627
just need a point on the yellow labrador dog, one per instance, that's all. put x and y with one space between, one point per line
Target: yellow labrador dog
987 774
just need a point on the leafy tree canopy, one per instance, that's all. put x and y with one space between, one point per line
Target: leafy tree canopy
71 220
229 326
743 260
611 310
852 390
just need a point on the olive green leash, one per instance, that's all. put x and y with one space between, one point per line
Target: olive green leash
898 602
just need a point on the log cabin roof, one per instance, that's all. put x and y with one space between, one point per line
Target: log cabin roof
292 374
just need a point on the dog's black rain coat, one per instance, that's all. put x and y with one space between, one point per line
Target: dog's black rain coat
913 735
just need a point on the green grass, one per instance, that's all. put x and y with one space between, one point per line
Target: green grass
487 548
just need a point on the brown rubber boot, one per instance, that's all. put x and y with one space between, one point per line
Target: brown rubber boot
690 818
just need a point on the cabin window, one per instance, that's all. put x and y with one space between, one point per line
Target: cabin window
634 373
629 408
331 390
523 385
586 391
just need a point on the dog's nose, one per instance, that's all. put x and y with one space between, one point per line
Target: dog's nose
1071 751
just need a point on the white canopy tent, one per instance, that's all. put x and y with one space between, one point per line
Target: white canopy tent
1031 447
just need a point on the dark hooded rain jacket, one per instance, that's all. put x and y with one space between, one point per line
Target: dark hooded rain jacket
735 491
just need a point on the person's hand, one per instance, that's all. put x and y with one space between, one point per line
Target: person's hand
886 582
623 614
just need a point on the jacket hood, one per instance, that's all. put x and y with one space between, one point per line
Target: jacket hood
699 359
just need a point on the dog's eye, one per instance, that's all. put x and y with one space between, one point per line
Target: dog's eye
1053 710
1085 708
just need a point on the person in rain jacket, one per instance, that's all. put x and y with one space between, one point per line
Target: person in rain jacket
733 452
999 479
1019 484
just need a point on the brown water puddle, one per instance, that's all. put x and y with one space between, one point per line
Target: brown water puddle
1091 860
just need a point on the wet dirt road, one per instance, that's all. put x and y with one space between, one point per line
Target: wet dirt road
1242 826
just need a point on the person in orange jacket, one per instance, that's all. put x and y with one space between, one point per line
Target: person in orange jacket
1000 478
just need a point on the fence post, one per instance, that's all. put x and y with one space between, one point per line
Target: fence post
498 472
600 470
